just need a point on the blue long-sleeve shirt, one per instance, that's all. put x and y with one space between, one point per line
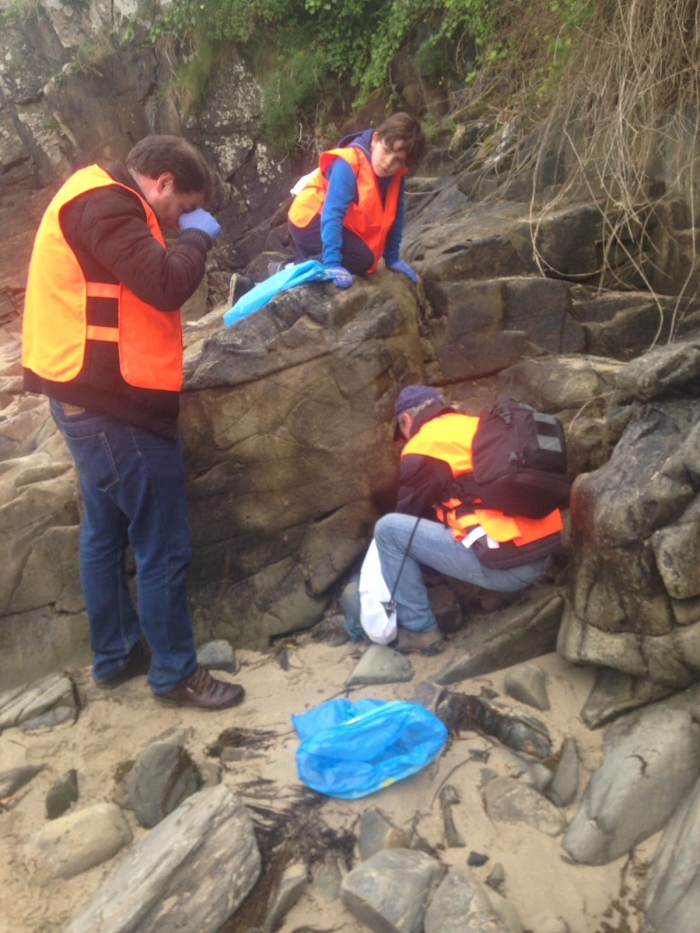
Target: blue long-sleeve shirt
342 191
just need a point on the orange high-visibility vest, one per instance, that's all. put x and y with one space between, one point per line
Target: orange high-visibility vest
369 218
449 438
56 311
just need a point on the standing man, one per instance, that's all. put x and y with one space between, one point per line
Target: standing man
481 546
103 339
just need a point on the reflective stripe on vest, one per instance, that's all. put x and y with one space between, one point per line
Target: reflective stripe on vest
56 328
369 218
449 438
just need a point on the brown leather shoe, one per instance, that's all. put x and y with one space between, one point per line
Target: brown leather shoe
202 691
138 663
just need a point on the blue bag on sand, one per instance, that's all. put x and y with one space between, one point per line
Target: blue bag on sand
350 750
310 271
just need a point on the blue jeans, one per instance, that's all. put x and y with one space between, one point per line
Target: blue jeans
435 546
133 488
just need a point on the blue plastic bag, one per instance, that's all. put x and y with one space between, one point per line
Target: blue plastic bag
350 750
310 271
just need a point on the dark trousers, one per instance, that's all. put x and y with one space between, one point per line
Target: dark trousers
358 258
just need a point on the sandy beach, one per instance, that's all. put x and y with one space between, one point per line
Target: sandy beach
114 727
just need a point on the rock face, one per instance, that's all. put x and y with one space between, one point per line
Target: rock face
635 601
286 428
191 872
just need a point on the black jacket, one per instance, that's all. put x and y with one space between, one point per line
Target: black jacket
423 478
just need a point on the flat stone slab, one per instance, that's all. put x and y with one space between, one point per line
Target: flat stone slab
462 905
31 700
522 632
511 801
389 891
191 872
381 665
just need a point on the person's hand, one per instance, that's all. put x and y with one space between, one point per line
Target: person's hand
404 269
341 277
200 220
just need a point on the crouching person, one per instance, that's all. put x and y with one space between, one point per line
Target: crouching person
435 528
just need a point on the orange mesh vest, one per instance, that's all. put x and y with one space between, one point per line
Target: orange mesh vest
56 328
449 438
369 218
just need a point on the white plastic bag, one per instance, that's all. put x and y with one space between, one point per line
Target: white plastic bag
379 625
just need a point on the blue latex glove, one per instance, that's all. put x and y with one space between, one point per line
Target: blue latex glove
341 277
200 220
403 267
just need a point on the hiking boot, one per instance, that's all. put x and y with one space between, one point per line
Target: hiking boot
239 286
138 663
425 643
202 691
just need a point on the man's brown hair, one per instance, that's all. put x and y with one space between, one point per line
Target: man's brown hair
156 155
403 128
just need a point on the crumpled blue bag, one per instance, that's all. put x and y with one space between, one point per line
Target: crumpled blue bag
310 271
349 750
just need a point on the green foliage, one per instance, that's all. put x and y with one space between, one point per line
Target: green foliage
312 42
290 99
434 58
571 17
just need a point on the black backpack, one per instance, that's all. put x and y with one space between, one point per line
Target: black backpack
519 463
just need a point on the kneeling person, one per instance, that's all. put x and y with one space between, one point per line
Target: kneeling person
438 449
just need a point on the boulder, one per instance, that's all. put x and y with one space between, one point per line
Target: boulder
162 777
635 593
672 896
286 425
70 845
651 761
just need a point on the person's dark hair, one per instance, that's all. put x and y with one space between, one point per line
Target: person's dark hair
402 127
156 155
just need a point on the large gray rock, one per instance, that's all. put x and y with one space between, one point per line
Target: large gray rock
672 896
191 872
501 639
652 758
286 425
389 892
162 777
